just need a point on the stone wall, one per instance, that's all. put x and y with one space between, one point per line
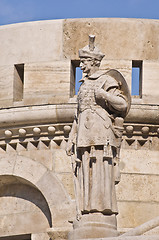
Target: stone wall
37 105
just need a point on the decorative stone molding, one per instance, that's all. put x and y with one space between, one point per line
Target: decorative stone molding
36 131
139 129
46 136
37 137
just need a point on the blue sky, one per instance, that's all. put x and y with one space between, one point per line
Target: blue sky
13 11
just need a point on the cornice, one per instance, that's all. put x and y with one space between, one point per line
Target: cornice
143 113
40 114
48 136
64 113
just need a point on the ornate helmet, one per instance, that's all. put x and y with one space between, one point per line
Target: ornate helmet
90 50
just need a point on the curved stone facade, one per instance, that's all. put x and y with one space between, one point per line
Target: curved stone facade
37 104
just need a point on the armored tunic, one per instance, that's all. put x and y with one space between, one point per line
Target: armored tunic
93 116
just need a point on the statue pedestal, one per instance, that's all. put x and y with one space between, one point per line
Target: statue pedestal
94 225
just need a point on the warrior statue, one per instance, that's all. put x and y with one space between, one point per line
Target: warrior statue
95 139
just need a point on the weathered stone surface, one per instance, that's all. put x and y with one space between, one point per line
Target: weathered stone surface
42 156
141 188
60 159
139 161
38 41
150 81
118 38
135 213
54 191
67 181
150 113
63 214
7 164
28 171
47 82
37 114
6 84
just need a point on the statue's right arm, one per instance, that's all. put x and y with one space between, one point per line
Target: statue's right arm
72 139
113 97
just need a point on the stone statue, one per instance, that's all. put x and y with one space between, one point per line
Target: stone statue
95 138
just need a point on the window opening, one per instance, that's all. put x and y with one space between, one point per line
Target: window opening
76 75
18 84
136 85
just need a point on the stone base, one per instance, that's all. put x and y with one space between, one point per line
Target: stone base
95 225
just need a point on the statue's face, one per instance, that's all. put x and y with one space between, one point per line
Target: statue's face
86 64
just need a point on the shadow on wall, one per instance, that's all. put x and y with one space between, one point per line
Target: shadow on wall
23 207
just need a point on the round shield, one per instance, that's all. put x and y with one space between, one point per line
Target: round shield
122 84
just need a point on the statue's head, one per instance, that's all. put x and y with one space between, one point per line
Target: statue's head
90 56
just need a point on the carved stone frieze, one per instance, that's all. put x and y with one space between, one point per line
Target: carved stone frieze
134 135
37 136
